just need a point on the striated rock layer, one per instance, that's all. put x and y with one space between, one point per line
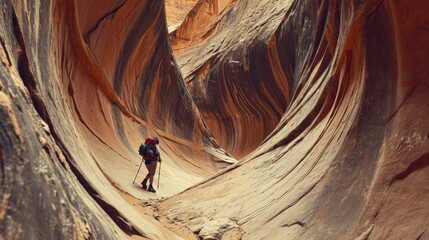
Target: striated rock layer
349 158
324 101
82 85
176 11
232 72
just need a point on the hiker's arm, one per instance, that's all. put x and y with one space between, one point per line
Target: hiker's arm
158 153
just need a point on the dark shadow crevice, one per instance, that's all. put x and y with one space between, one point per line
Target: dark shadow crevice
88 34
416 165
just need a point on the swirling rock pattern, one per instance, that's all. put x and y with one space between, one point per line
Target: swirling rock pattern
176 11
324 102
82 85
348 159
231 70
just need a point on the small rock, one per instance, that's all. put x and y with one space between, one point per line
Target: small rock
216 228
150 203
45 127
196 224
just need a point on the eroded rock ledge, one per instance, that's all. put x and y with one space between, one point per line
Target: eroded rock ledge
82 84
325 102
348 156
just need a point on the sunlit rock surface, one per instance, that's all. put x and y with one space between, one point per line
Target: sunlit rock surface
176 11
200 24
325 102
82 85
349 157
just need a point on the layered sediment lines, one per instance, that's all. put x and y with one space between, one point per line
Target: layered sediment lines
176 11
325 103
82 85
348 159
199 24
231 70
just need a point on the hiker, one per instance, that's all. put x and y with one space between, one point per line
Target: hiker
151 157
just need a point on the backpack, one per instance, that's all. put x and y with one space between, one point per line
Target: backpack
142 149
148 149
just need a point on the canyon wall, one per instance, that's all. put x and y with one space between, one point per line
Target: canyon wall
324 102
176 11
82 86
348 159
233 75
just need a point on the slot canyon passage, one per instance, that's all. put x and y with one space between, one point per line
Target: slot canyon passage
292 119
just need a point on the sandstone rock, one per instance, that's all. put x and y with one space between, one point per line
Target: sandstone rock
347 156
196 224
176 11
231 71
79 92
214 229
325 103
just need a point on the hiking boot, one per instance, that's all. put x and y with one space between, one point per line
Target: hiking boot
144 186
150 189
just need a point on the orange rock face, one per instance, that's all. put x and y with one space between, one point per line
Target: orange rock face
325 103
200 24
82 86
235 77
176 11
348 158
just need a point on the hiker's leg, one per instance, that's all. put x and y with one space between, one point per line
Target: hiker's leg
152 171
150 180
147 165
144 182
152 175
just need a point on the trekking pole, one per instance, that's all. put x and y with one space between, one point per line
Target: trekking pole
138 171
159 174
